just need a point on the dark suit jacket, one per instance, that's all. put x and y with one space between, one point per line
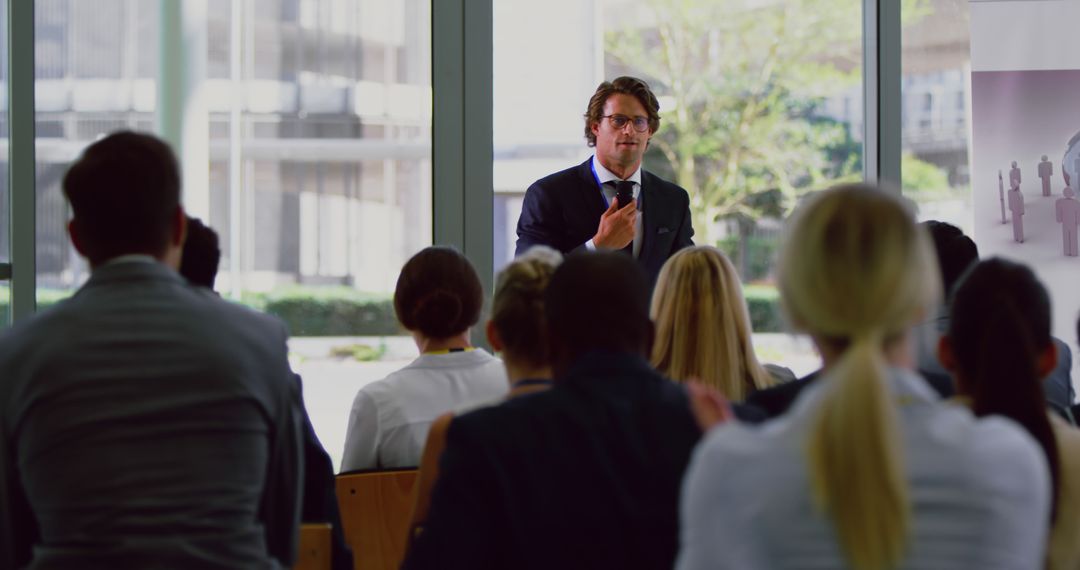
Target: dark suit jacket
776 401
585 475
563 211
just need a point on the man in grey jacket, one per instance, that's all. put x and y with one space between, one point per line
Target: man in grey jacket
145 422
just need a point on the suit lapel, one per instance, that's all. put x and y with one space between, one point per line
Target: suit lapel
651 211
589 193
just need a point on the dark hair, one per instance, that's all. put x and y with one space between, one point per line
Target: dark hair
955 252
201 255
999 325
596 301
438 293
627 86
124 191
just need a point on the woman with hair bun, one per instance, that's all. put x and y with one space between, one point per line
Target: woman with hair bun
518 331
869 469
438 299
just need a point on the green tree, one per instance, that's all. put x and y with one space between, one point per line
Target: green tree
744 81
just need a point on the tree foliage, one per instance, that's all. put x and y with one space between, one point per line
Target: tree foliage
743 84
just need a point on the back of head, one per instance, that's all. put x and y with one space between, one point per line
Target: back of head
855 271
955 252
999 327
517 309
124 192
596 301
702 325
201 255
438 293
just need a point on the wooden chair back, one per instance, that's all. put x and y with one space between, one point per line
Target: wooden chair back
314 552
375 508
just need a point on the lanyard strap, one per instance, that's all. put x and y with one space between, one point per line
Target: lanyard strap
449 350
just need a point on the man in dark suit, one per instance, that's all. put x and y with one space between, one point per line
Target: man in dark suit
145 422
577 209
585 475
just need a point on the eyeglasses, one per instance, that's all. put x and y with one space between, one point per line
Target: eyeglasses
641 124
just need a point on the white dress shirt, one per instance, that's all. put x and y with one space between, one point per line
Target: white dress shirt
389 421
979 490
604 176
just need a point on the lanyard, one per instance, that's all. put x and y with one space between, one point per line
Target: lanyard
449 350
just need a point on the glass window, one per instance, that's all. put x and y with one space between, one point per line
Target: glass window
317 176
760 102
936 65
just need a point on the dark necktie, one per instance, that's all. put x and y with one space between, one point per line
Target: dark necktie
612 189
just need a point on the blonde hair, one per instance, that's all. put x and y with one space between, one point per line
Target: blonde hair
855 270
517 309
702 325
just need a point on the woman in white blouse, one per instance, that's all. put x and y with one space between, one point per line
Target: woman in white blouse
438 299
868 470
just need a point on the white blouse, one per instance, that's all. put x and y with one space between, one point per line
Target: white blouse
979 490
389 421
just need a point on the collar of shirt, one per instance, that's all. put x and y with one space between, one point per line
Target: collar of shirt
604 175
131 258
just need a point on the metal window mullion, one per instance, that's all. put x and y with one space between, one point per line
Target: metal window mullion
21 161
478 140
881 92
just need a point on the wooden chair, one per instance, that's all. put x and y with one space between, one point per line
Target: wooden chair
375 508
314 552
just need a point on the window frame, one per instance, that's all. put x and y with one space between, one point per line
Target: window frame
462 135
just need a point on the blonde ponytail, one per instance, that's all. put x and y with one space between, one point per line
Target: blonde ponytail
856 471
855 271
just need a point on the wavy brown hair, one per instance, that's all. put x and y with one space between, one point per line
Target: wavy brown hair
625 85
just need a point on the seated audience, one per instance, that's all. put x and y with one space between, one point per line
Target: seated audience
584 475
438 299
998 347
956 253
199 265
869 469
702 325
518 332
201 256
144 422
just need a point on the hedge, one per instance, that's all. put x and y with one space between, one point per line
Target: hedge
339 311
763 303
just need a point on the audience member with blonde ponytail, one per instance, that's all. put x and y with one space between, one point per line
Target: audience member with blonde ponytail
702 325
869 469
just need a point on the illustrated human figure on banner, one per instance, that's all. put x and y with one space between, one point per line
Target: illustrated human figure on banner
1001 196
1068 215
1046 170
1014 176
1016 206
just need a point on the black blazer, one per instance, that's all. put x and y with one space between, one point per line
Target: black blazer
585 475
563 211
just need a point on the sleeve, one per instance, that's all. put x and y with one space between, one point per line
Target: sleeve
712 532
686 230
429 468
538 223
282 496
463 527
18 527
1014 484
362 435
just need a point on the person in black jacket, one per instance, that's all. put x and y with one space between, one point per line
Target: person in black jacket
586 474
580 208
